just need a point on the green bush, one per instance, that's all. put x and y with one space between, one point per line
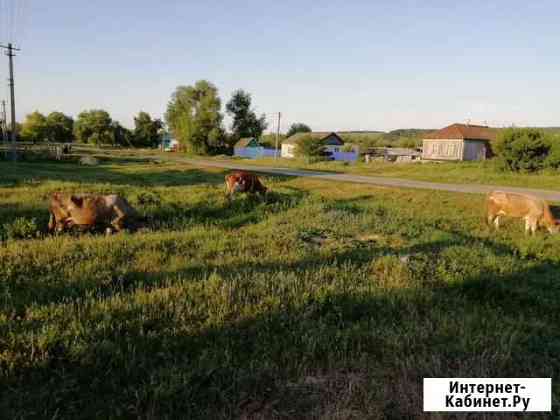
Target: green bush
147 198
526 149
310 148
20 228
553 158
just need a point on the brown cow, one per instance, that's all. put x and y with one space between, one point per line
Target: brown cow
112 212
58 212
533 210
241 181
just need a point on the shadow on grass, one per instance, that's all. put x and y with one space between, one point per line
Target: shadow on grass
10 212
323 350
355 351
242 211
21 173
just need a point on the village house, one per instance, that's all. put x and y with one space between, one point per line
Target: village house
392 154
332 142
459 142
168 143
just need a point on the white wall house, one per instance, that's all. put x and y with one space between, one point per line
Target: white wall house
459 142
288 150
168 143
331 141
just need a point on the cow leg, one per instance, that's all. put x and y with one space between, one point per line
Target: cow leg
497 222
527 226
534 224
52 223
118 222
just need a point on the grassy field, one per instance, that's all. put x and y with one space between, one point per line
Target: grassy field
324 301
452 173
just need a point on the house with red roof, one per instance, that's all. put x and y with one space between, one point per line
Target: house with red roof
459 142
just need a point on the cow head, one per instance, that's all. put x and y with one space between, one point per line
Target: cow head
238 186
555 228
59 212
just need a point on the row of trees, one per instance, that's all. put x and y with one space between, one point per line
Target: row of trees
91 127
193 116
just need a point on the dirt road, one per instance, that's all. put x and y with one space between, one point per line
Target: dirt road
374 180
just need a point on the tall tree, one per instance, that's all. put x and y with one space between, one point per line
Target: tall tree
34 127
59 127
298 128
194 118
146 130
245 121
122 135
95 127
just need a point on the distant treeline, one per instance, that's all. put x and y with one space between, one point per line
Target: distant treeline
404 137
90 127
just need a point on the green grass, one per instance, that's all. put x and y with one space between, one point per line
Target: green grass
325 301
484 173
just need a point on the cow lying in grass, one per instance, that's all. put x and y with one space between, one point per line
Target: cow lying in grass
110 212
243 182
533 210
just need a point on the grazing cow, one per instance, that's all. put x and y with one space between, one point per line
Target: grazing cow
242 181
111 212
58 211
533 210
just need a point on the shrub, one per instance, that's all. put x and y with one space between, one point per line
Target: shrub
310 148
21 228
409 142
553 158
148 198
523 149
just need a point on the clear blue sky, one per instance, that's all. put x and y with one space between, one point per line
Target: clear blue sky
336 65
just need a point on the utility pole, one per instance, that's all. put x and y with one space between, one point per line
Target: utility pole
277 135
10 53
4 127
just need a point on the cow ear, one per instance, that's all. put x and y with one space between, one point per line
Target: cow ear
77 200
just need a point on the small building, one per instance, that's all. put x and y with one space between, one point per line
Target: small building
247 142
248 147
392 154
459 142
332 142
